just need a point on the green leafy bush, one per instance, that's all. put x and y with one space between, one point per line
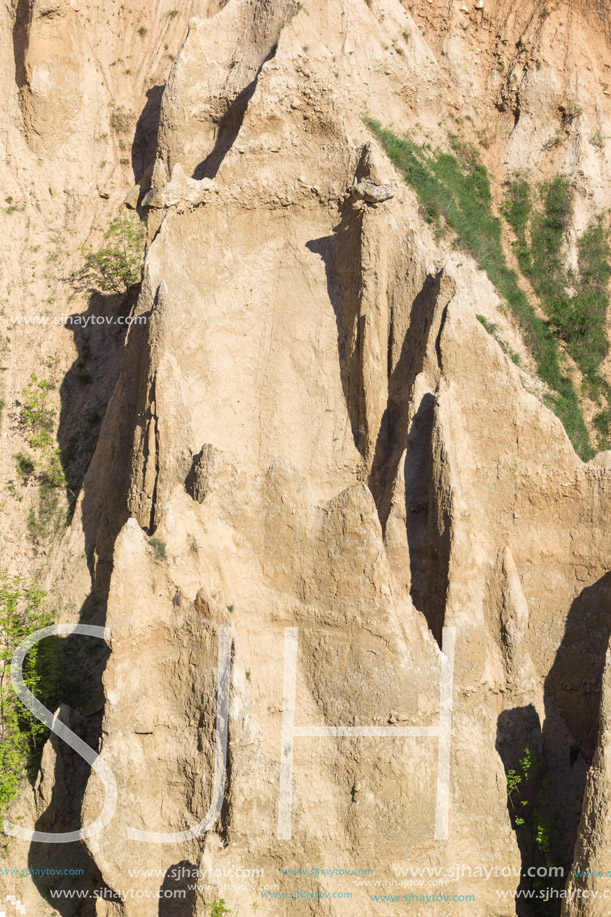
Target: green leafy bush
22 611
115 267
532 811
217 908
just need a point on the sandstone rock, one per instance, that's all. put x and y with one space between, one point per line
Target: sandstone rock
133 196
180 192
313 431
371 193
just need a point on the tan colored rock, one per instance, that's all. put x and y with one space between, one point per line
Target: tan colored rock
318 434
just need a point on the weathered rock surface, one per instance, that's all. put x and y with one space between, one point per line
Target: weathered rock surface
314 431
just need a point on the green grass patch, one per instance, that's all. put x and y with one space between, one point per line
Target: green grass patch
454 192
575 301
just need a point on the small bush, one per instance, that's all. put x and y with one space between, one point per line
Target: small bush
120 121
37 416
25 467
21 734
217 908
52 484
115 268
159 548
142 31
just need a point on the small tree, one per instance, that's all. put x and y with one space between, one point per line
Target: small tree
21 734
217 908
115 267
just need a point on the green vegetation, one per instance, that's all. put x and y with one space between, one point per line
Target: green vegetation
120 120
531 809
37 416
21 734
142 31
454 193
217 908
171 14
37 419
115 267
492 330
25 467
575 301
158 547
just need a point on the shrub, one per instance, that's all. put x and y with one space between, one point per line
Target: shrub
120 120
21 734
217 908
158 547
25 467
115 268
37 416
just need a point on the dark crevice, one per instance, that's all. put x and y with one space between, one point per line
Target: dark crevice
144 144
90 381
427 520
229 125
562 750
341 254
392 437
178 890
81 661
519 729
20 39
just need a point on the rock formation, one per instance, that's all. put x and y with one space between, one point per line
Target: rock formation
311 430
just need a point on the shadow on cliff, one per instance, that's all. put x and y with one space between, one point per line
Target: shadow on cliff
562 751
341 254
20 39
98 463
429 549
177 892
229 125
82 661
144 144
95 452
96 445
392 438
99 337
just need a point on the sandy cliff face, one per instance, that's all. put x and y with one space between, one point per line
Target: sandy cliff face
313 431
